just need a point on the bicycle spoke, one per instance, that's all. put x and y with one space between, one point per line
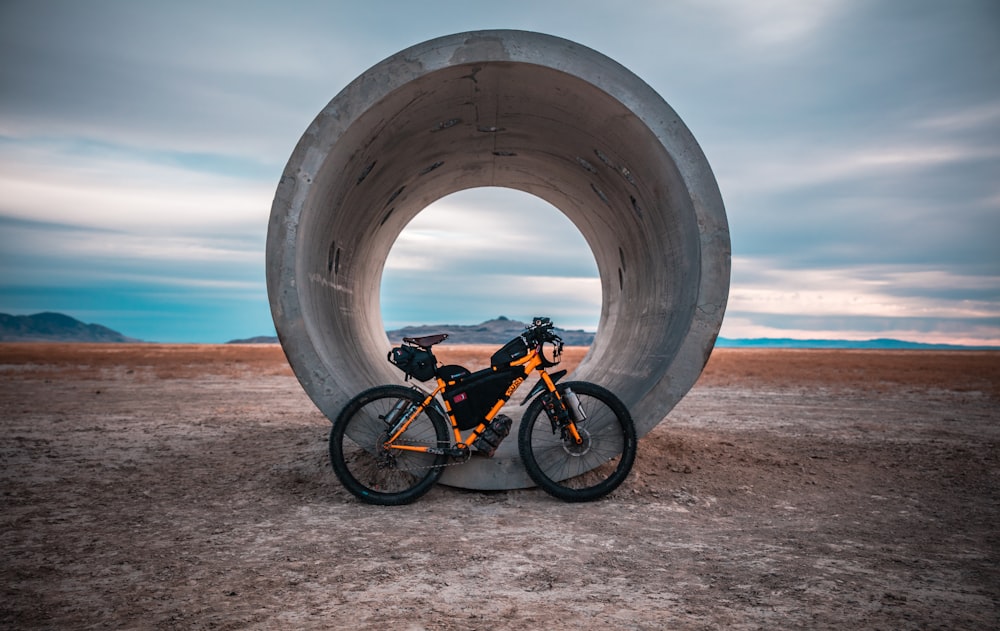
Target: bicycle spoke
369 468
588 469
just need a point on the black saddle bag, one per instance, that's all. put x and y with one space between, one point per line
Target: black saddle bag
414 361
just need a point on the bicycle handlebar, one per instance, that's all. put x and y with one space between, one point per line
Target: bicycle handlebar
540 331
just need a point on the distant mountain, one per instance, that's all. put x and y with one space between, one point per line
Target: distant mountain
260 339
497 331
57 327
875 344
502 329
54 327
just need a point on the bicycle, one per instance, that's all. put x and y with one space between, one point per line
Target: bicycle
390 443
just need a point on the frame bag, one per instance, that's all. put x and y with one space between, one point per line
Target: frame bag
473 397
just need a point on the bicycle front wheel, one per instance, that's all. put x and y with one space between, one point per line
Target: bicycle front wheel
378 474
579 472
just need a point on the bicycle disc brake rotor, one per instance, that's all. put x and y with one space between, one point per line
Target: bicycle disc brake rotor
575 449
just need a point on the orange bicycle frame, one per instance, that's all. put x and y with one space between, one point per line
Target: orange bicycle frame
530 363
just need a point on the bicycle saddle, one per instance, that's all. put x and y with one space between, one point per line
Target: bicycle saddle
426 341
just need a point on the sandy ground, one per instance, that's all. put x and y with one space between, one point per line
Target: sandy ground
188 487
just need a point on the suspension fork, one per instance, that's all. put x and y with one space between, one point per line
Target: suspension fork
570 424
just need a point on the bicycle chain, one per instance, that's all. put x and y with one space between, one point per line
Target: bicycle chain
468 456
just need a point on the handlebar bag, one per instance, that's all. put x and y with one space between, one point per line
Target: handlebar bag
511 351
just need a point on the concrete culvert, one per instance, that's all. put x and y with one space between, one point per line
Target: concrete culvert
510 109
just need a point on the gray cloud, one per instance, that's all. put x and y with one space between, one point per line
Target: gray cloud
861 138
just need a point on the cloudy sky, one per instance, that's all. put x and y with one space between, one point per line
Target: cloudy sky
856 144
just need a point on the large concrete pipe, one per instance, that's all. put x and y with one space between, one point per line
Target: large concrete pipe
511 109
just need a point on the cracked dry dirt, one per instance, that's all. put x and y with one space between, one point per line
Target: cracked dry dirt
188 487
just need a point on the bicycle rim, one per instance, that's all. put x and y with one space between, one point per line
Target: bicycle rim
580 471
374 473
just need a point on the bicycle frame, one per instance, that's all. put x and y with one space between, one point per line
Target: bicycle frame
530 363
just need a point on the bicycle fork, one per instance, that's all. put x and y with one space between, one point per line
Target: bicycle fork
564 411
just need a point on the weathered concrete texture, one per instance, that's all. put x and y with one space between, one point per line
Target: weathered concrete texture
519 110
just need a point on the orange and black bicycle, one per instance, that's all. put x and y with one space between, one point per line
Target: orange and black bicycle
390 443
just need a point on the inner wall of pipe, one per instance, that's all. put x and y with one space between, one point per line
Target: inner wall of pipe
528 128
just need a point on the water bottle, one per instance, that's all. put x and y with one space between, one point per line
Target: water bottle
573 405
397 414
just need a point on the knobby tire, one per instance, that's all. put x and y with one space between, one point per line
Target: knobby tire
371 472
579 473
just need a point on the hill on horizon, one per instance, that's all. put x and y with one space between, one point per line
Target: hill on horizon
58 327
499 330
55 327
881 344
502 329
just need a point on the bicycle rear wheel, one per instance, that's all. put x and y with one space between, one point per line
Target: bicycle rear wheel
368 469
588 470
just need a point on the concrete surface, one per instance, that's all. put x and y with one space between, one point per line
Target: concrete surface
511 109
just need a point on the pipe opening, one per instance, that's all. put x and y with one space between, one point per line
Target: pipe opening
485 252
